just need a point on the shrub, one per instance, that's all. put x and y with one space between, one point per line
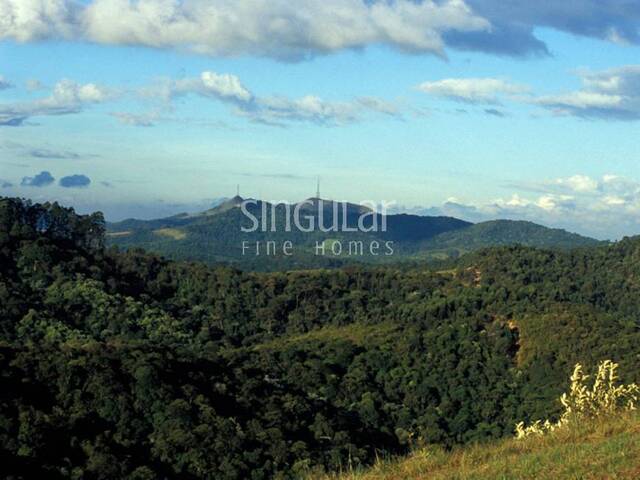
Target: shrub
603 397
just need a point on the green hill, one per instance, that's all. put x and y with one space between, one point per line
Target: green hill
506 232
215 236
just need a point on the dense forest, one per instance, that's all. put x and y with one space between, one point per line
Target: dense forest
124 365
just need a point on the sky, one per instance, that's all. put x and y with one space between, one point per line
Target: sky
479 109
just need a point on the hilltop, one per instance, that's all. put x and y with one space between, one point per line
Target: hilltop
507 232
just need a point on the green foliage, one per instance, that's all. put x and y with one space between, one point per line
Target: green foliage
126 365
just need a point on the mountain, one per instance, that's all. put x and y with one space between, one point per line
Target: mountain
216 236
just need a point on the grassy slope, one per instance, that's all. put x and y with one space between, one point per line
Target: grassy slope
603 449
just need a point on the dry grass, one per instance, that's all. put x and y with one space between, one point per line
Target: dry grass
607 448
171 233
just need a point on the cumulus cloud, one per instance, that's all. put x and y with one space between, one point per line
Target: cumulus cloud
549 202
472 90
271 110
75 181
582 186
274 28
27 20
297 30
579 183
224 86
607 207
609 94
67 97
42 179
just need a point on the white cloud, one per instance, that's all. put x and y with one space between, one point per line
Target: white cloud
68 92
548 202
472 90
609 211
613 200
515 201
69 97
612 94
608 178
275 28
210 84
273 110
300 29
608 94
581 100
66 98
608 207
579 183
551 202
226 86
27 20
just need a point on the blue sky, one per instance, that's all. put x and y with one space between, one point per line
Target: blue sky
134 108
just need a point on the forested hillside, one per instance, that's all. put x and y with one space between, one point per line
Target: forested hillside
216 237
505 232
125 365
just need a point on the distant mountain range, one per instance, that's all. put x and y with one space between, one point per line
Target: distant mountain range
328 234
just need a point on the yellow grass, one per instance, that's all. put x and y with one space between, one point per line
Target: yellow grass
605 448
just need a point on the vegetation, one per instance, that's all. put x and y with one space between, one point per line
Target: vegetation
506 232
215 237
125 365
584 402
597 435
597 449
